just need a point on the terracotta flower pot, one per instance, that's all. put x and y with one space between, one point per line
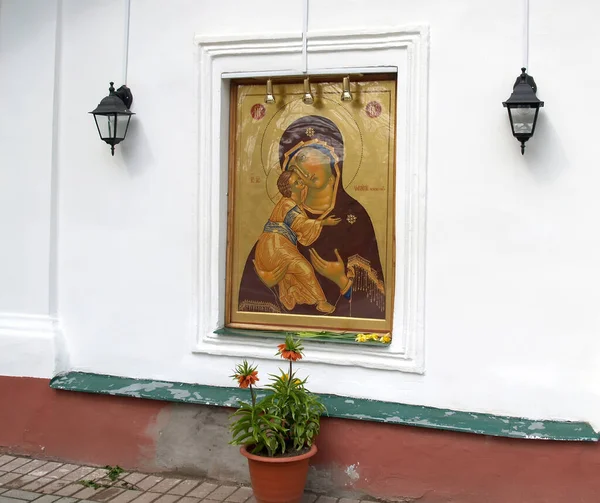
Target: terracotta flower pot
278 480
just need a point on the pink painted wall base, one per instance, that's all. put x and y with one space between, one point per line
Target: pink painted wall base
386 461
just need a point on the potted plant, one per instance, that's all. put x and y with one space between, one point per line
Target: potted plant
277 432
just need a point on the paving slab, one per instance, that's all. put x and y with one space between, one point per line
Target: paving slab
21 495
85 492
148 483
147 498
187 499
29 467
9 500
8 477
184 487
106 494
54 486
47 498
69 490
134 478
23 480
37 484
126 496
164 485
61 471
240 496
79 473
97 474
44 470
167 498
221 493
4 459
14 464
203 490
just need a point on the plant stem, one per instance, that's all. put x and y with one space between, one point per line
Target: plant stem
253 397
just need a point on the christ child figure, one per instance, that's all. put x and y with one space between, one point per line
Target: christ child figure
277 246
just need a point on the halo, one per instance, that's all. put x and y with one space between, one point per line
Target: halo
296 109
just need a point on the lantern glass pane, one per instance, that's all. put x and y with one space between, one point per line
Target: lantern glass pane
523 117
106 125
122 123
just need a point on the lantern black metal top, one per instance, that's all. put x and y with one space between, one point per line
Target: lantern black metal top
112 115
523 107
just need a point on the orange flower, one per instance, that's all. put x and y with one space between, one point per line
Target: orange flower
290 355
290 350
245 374
246 380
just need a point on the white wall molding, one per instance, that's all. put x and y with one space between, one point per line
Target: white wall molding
403 48
28 345
11 323
28 259
369 40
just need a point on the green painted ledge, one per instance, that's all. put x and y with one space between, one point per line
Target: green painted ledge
337 406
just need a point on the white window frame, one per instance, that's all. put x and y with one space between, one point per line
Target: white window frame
219 59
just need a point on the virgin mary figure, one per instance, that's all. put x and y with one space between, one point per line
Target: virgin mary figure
345 257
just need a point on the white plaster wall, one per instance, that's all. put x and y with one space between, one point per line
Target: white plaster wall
512 268
27 259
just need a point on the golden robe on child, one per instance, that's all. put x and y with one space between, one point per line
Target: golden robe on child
287 225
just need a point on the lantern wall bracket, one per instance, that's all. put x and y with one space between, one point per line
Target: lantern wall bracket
524 77
123 93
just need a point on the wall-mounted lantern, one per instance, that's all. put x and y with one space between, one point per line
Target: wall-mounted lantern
523 107
112 115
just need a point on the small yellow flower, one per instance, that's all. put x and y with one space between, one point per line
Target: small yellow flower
384 338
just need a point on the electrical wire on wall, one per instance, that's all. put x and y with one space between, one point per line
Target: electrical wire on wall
304 37
526 35
126 38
